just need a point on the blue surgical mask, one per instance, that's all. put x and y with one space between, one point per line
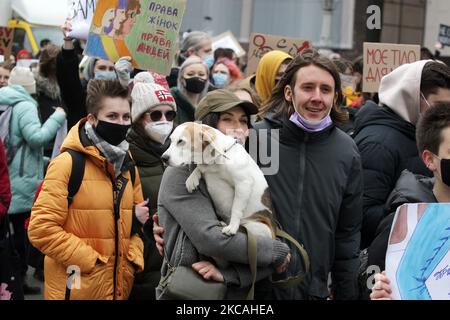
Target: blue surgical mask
220 80
209 60
105 75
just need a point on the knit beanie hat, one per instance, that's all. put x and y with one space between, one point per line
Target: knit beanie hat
24 77
146 95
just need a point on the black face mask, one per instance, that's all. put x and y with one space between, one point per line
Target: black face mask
195 84
112 133
445 171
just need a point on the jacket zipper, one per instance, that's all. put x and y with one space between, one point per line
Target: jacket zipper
301 185
22 161
116 236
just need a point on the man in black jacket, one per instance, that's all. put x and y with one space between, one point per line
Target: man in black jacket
315 178
385 134
433 142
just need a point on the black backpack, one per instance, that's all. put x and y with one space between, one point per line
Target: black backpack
35 257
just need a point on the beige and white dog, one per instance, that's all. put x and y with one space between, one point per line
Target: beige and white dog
234 181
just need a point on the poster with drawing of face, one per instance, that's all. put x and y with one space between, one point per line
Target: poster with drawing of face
145 30
418 253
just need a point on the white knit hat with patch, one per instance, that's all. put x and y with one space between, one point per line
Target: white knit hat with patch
147 95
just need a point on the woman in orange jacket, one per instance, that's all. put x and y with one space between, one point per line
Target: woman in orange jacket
91 245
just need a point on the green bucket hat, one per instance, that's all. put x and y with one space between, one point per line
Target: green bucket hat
222 100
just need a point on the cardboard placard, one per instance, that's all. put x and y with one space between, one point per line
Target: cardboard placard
81 13
261 43
381 59
228 40
6 41
444 35
146 30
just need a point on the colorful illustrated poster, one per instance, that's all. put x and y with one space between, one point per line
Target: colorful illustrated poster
261 43
418 256
146 30
381 59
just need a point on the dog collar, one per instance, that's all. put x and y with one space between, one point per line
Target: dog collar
230 147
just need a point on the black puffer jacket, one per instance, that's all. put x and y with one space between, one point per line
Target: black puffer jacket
410 188
48 98
317 195
147 156
387 145
72 91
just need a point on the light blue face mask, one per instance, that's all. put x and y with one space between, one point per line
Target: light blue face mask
105 75
209 60
220 80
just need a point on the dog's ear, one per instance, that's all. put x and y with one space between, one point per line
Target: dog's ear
208 136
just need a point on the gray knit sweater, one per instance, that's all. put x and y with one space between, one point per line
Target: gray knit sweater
201 236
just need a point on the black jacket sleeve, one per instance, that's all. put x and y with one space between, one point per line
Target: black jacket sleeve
72 91
347 237
380 168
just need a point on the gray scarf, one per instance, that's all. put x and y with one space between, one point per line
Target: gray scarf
114 154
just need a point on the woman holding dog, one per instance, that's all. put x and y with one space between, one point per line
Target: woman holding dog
193 232
317 191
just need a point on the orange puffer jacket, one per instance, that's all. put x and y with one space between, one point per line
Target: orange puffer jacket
82 236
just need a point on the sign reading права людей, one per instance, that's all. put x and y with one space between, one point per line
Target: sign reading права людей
146 30
382 58
444 35
260 44
6 41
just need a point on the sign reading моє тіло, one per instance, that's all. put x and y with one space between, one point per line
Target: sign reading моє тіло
382 58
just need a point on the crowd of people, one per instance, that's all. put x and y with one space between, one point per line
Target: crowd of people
344 162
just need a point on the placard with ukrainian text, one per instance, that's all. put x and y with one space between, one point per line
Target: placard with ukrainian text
381 58
145 30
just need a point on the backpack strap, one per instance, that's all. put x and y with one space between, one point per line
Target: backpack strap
133 174
293 281
77 174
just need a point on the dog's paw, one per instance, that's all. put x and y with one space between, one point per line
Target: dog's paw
230 230
192 183
222 223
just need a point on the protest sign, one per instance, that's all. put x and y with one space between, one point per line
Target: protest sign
227 40
80 13
6 41
444 35
260 44
382 58
146 30
418 253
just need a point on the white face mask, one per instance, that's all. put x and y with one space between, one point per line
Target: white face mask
159 131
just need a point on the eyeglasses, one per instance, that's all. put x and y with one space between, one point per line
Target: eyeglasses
157 115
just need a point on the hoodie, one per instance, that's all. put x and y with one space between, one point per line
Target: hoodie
400 90
28 138
385 136
267 71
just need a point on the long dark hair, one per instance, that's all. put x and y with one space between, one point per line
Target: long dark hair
310 57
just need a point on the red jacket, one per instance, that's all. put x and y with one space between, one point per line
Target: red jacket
5 188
